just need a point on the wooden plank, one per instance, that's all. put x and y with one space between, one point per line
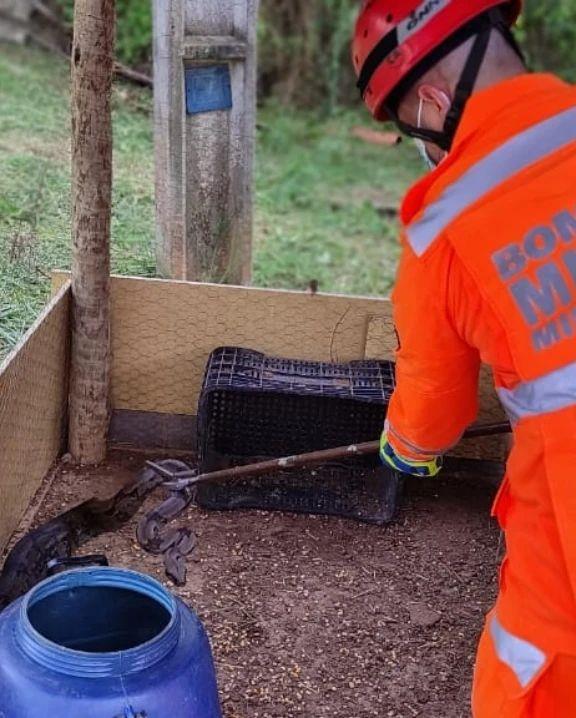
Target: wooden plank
218 17
163 333
205 48
381 339
33 401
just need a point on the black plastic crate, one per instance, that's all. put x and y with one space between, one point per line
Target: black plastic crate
365 493
255 406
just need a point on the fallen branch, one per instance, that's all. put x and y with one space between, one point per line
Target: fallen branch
138 78
375 137
120 70
52 17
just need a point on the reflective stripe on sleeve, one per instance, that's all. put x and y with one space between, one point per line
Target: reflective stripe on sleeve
509 159
524 658
549 393
417 450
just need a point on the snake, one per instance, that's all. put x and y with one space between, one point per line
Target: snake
27 564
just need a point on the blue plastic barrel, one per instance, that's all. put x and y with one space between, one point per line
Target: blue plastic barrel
104 643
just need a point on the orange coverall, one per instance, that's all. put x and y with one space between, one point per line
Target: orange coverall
488 273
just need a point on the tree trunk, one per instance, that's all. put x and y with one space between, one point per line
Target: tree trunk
92 71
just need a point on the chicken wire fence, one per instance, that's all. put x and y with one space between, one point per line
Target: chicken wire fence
163 335
33 400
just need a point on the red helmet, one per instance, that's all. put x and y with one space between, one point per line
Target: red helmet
394 37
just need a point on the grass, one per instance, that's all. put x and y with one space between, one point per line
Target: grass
35 184
322 197
323 204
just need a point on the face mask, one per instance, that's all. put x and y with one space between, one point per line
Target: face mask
421 145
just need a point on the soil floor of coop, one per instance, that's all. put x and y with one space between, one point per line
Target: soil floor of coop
319 617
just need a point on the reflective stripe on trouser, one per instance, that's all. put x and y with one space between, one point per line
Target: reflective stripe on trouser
525 659
553 695
544 395
525 149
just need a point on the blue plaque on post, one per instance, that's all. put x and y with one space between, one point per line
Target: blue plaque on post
208 89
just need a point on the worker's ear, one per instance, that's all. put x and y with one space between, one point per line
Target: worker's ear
437 104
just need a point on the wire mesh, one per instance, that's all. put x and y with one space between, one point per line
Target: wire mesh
33 398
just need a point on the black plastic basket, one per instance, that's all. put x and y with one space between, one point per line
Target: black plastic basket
367 494
255 406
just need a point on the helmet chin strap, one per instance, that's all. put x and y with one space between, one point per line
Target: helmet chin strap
464 90
465 87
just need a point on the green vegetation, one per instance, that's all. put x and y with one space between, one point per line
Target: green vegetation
304 52
35 184
304 44
134 28
548 33
324 199
325 202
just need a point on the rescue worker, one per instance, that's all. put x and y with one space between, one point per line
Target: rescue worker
488 274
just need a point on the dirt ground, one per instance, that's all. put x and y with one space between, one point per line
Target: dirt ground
318 617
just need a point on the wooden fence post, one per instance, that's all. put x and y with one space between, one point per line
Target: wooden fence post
92 72
205 108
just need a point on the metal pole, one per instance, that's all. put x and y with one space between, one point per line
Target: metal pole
183 479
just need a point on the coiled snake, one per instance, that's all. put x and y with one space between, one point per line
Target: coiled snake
27 563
